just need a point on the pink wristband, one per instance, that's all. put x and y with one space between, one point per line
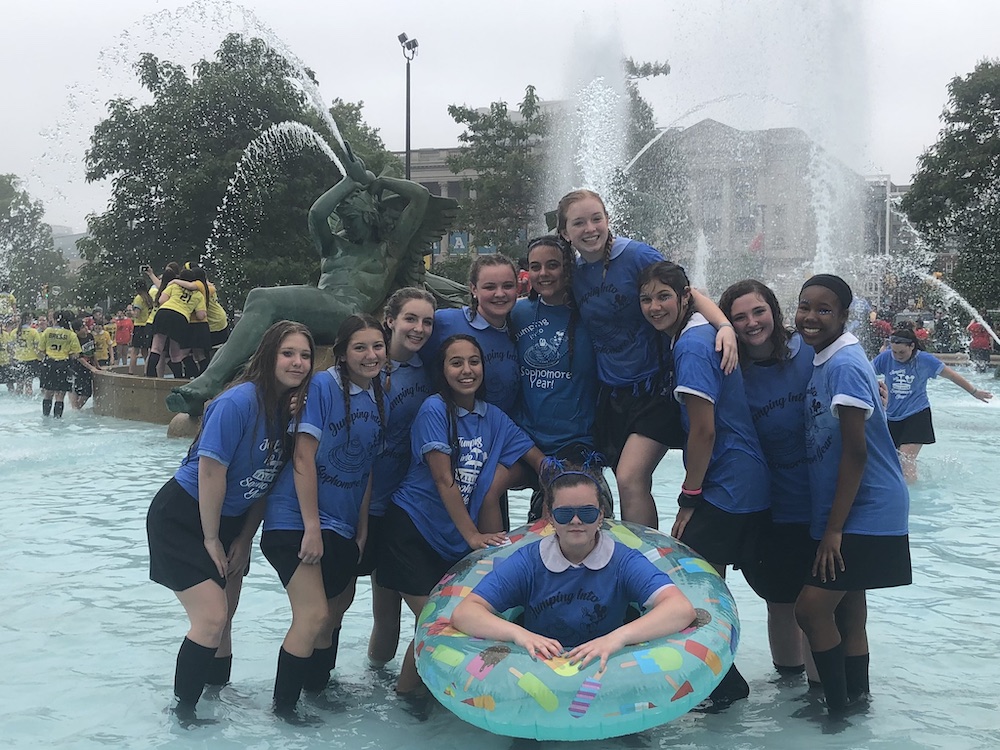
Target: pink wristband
686 491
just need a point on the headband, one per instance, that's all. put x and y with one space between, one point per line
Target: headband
835 284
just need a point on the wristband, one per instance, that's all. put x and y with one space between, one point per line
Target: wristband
689 498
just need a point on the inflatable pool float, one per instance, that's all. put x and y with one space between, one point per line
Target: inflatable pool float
498 687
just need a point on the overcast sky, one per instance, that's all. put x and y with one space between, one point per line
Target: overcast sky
866 79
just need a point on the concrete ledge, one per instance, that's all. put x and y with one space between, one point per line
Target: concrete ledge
961 358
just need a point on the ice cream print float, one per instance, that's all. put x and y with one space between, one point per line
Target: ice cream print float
500 688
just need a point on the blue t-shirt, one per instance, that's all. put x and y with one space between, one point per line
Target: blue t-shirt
486 438
499 353
624 341
842 376
572 603
234 434
344 457
409 386
907 382
776 393
736 480
558 402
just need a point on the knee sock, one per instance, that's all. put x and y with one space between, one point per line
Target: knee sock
191 370
831 668
151 362
219 671
856 674
292 671
786 670
57 409
732 688
175 369
46 407
193 662
321 663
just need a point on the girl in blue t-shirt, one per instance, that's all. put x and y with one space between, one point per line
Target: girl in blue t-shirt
776 368
725 495
406 382
906 368
315 526
581 559
860 504
449 504
635 425
202 522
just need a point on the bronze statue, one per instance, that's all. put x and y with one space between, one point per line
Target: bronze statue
386 225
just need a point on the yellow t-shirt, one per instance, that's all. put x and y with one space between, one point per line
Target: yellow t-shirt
216 315
182 300
102 344
7 304
143 312
6 337
25 344
58 343
154 293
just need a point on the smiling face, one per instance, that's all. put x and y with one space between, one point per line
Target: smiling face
587 227
662 307
463 371
820 317
365 356
411 328
496 291
294 361
753 321
546 273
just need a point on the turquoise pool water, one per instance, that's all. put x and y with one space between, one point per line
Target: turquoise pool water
87 642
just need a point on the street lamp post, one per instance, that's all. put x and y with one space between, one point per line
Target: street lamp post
409 52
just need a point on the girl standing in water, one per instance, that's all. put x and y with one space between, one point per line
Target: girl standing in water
202 522
860 504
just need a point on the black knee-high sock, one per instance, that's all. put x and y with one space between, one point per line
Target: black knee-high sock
176 369
292 671
190 367
856 674
46 407
732 688
151 363
57 409
830 665
219 671
193 662
321 663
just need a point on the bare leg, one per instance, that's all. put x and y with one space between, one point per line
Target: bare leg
409 681
386 611
908 460
639 458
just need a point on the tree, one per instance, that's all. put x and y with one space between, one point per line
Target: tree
365 140
28 258
953 196
503 149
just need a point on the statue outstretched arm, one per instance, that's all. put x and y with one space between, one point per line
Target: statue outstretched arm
357 177
417 197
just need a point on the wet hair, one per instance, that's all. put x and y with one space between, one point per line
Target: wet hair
558 475
25 323
671 275
169 274
64 318
142 290
444 390
201 276
573 197
568 264
490 261
906 332
352 325
779 336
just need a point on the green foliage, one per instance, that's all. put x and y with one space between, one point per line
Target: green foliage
635 70
503 149
28 258
455 267
364 139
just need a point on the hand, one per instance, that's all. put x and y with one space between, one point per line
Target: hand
218 554
295 402
538 645
725 342
355 167
602 648
828 560
482 541
683 516
983 396
239 558
311 551
883 393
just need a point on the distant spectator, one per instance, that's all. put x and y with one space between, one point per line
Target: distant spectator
980 344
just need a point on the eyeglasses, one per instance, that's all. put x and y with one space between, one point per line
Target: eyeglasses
565 514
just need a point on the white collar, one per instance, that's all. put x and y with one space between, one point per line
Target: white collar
353 388
555 561
846 339
478 408
414 361
479 322
618 245
696 319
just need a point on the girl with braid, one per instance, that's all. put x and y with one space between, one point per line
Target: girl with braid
636 420
316 521
448 504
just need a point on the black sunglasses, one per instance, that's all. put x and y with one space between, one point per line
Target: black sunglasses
565 514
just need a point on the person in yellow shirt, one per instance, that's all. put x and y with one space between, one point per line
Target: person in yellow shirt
27 361
142 316
8 305
214 331
102 343
6 344
177 305
58 345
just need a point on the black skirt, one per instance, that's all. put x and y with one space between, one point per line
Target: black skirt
916 429
870 562
174 326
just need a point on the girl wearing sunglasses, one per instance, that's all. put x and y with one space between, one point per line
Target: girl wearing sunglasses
575 586
907 368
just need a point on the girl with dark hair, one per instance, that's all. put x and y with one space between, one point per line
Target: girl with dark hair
407 382
142 312
214 329
82 367
860 504
27 359
493 286
448 504
177 307
57 345
578 557
776 367
725 494
316 522
635 424
202 522
906 368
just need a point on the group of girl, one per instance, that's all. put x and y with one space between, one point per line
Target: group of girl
401 454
